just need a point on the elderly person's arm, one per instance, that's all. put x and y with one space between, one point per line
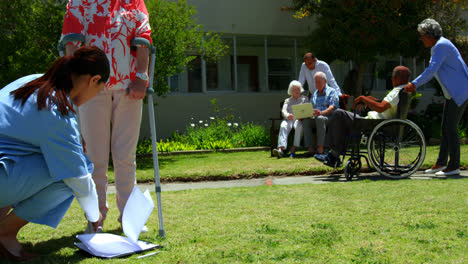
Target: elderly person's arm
372 103
285 113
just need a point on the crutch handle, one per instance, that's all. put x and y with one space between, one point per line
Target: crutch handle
144 42
67 39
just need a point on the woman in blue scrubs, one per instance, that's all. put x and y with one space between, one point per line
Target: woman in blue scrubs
42 162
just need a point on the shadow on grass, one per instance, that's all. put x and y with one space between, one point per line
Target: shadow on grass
50 249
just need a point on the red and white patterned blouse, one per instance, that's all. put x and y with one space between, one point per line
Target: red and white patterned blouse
110 25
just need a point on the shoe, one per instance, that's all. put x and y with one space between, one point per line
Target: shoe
90 228
435 168
320 157
448 172
277 153
293 155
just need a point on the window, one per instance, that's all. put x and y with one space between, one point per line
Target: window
247 73
280 73
195 76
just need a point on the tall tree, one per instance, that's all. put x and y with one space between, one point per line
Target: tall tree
363 30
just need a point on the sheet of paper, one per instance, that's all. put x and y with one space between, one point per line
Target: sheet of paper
110 245
136 212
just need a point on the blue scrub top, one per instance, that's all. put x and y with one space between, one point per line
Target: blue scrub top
24 130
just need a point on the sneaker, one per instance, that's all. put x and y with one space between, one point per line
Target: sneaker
277 153
320 157
435 168
448 172
90 228
293 155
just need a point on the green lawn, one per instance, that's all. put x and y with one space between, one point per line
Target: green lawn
404 221
235 165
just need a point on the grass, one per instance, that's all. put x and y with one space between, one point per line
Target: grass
404 221
236 165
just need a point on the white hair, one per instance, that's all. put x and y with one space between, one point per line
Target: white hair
293 84
321 74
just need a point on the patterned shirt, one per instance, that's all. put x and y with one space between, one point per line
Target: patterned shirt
110 25
323 101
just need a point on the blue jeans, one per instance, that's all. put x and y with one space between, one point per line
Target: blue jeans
25 184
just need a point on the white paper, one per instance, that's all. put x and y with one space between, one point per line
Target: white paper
136 212
110 245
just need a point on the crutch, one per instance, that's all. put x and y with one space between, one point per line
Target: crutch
134 43
142 41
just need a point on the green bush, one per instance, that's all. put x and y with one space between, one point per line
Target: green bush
218 132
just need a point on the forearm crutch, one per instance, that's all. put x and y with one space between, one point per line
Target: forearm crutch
134 43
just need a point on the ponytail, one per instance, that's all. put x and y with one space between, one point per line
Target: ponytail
55 85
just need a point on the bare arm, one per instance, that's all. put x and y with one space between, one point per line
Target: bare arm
372 103
138 86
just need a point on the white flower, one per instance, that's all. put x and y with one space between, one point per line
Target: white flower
235 124
193 125
212 118
201 121
229 124
206 125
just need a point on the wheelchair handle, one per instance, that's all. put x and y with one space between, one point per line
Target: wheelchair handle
67 39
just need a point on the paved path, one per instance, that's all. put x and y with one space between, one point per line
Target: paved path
316 179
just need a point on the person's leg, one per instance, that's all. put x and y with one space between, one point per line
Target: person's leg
298 132
321 125
444 145
308 125
126 121
9 228
285 129
95 122
454 116
339 126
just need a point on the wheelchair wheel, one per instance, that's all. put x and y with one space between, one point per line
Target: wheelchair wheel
396 148
352 168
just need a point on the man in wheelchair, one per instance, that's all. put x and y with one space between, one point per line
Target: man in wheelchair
340 123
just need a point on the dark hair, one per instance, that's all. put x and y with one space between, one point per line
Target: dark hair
402 73
55 85
309 55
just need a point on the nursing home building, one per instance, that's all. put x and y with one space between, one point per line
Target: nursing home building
266 46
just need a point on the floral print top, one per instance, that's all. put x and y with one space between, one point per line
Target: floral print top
110 25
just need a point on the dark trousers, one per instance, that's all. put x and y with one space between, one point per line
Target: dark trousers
450 141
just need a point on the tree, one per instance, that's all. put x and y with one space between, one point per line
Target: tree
363 30
30 31
178 39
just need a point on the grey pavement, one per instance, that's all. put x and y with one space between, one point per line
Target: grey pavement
279 180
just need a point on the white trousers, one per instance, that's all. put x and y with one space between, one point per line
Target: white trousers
110 122
285 128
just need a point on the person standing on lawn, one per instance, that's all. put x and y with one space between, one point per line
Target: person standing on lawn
110 122
448 67
42 162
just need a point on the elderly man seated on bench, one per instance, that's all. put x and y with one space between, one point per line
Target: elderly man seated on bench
340 123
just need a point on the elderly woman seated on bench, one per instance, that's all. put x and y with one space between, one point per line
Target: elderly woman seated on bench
295 89
340 123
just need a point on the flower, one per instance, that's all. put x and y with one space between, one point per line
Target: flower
212 118
201 121
193 125
229 124
235 124
206 125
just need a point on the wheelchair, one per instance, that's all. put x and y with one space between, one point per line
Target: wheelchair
395 148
